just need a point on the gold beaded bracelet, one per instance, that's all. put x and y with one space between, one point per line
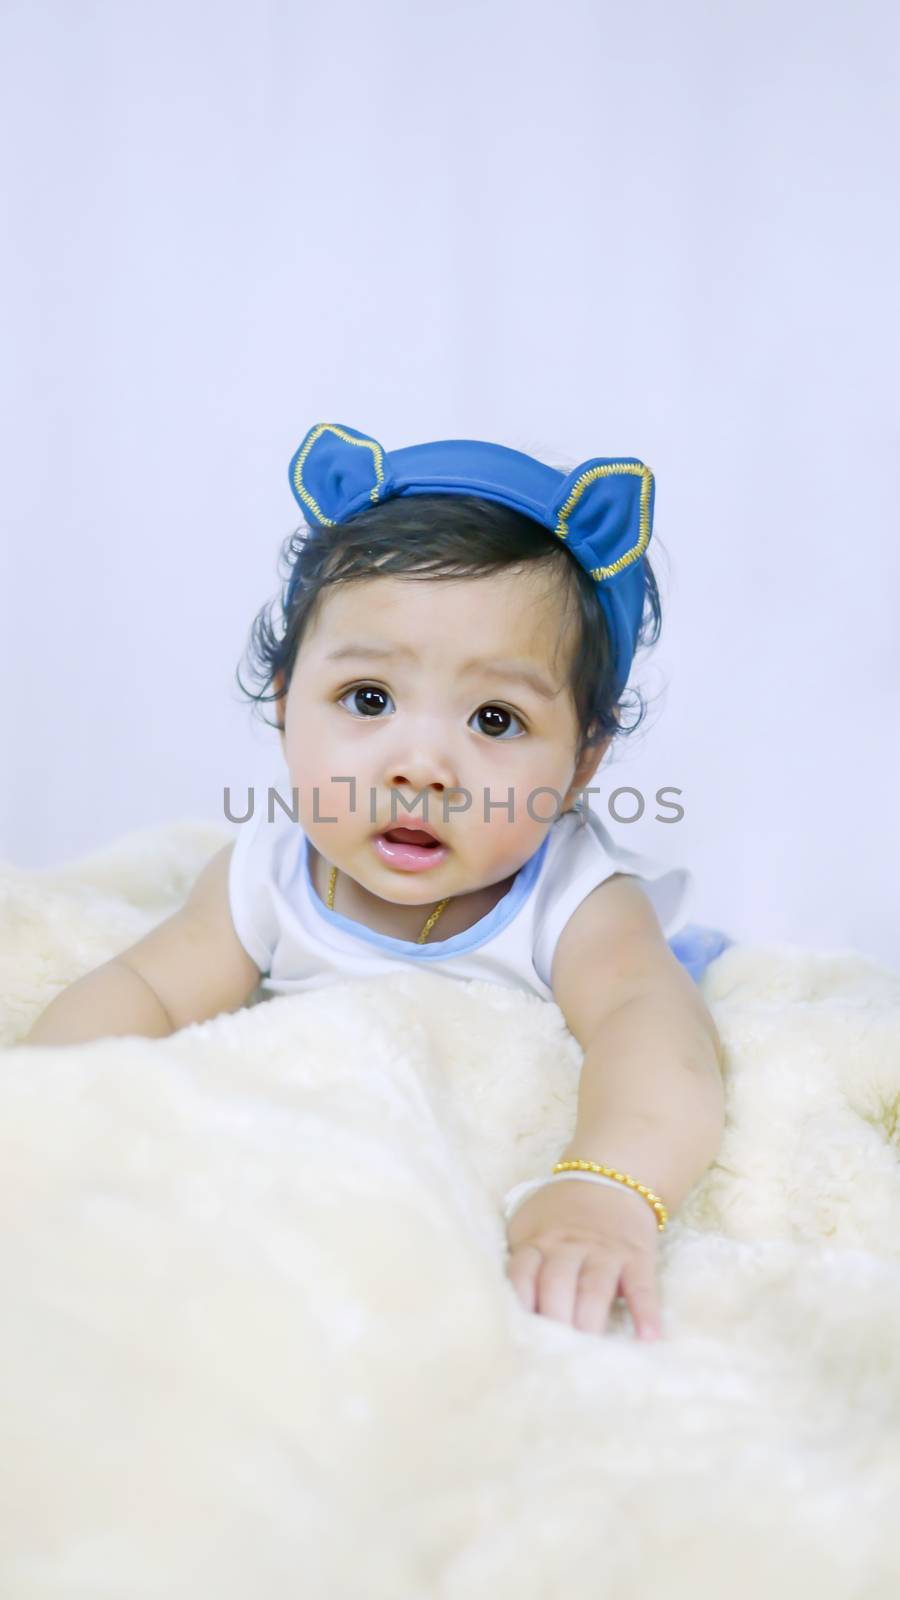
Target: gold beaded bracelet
662 1215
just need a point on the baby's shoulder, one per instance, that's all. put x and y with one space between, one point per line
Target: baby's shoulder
594 890
611 943
194 961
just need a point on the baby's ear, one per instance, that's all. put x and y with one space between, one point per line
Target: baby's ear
588 763
336 472
280 702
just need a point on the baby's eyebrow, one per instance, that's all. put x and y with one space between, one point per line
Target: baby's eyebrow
508 669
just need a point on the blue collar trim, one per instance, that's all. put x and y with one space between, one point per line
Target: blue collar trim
460 943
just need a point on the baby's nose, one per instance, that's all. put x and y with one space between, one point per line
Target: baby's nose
424 772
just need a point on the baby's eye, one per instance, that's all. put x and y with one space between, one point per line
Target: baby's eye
495 721
367 698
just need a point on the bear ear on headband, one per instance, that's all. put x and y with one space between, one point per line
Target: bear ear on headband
604 511
336 472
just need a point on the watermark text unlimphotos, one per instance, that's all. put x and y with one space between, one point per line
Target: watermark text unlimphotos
543 804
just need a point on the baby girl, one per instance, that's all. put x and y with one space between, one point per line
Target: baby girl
457 631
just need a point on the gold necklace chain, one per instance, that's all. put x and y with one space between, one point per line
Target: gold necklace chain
428 925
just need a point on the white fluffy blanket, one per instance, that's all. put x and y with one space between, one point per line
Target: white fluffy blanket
257 1338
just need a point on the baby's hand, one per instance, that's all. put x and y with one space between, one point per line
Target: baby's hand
576 1245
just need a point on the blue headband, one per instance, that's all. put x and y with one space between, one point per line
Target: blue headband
603 510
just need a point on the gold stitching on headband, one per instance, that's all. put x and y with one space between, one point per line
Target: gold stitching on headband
578 489
316 433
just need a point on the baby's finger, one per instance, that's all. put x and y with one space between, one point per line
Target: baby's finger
557 1283
522 1269
598 1283
640 1291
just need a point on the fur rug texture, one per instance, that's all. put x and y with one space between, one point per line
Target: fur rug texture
257 1341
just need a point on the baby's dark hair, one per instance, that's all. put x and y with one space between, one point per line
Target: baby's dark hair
438 535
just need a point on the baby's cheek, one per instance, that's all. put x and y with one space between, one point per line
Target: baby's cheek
321 794
508 836
323 802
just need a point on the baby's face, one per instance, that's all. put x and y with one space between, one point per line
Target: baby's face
412 687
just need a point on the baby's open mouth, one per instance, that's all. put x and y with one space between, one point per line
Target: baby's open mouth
411 836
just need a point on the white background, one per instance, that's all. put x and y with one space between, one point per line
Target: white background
578 229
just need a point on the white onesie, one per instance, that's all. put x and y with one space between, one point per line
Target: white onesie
298 943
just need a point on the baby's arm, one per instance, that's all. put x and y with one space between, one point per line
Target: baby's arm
189 968
650 1099
650 1105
